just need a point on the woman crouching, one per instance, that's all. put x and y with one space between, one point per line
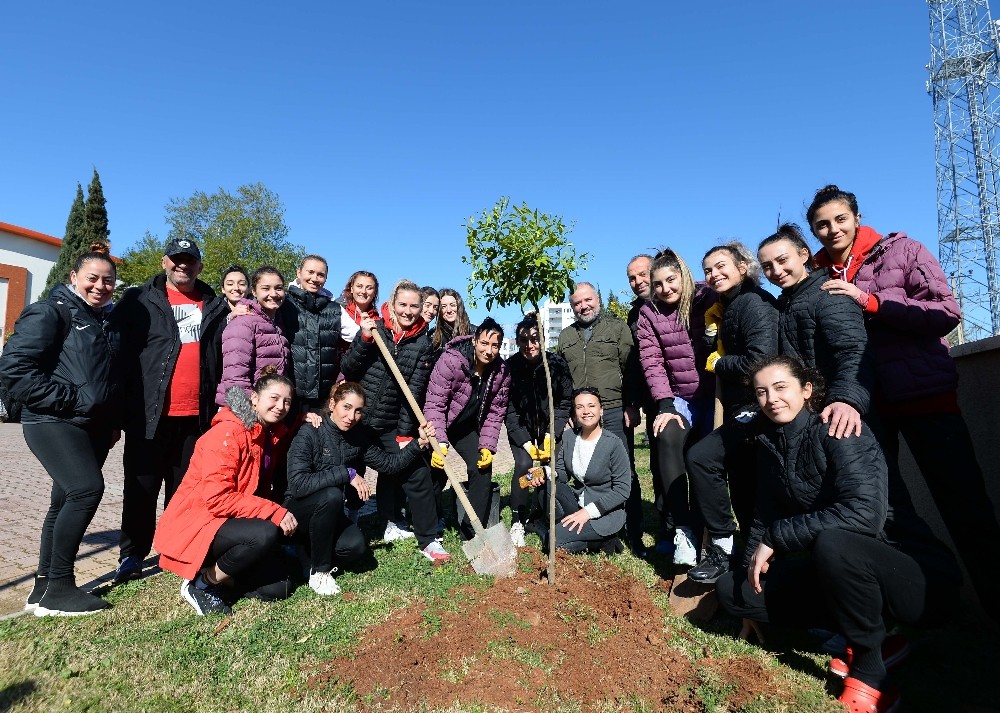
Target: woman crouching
219 533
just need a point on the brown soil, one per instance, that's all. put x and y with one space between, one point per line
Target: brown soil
596 638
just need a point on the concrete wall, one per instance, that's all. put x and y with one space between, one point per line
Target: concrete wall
979 396
37 257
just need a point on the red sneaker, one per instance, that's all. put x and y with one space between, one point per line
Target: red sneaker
862 698
895 649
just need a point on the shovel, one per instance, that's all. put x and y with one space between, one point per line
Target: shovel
491 551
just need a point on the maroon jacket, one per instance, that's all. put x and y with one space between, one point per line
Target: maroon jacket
666 352
450 388
912 311
249 343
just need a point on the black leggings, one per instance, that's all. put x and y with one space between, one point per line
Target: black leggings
332 539
667 464
849 583
480 484
721 467
417 487
246 549
73 457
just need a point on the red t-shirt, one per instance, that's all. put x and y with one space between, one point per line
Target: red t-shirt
183 390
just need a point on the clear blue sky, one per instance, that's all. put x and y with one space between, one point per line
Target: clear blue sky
384 126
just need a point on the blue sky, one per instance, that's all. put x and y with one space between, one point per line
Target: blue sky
384 125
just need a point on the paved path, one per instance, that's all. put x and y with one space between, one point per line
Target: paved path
24 498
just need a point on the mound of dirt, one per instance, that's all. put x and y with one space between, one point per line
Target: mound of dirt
596 638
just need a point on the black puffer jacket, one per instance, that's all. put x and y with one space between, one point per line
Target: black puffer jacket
827 332
528 408
319 457
749 332
312 326
151 344
809 481
387 410
64 371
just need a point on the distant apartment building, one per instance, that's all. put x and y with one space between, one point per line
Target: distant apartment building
26 256
556 317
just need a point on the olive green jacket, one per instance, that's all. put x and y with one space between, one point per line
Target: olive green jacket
605 362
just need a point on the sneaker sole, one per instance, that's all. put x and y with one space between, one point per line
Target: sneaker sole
194 605
42 611
705 580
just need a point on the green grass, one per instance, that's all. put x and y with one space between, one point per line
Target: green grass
151 653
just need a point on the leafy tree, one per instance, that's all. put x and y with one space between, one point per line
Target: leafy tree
73 245
95 225
246 227
521 256
619 305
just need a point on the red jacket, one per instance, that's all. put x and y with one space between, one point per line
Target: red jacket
220 483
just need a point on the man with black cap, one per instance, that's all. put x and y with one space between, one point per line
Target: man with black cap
172 353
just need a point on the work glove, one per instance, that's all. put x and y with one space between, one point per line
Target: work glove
712 358
545 452
713 318
531 450
485 458
437 457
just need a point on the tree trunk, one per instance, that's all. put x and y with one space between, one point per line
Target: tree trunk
552 441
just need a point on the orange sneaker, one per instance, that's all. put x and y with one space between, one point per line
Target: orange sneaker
859 697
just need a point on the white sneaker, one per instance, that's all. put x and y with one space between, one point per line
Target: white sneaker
323 583
394 532
684 549
517 534
436 552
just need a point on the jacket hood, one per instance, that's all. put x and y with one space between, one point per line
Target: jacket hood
67 294
312 301
322 290
397 336
255 307
805 285
240 408
864 241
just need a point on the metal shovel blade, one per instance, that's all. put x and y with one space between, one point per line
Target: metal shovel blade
492 552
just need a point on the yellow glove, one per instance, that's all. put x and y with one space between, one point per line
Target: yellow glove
545 452
532 450
713 318
485 458
437 457
710 364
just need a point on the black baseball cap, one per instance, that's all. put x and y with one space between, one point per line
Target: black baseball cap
182 246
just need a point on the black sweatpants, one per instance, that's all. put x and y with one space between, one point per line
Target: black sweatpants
416 487
332 539
614 421
479 486
666 461
521 505
246 549
850 583
721 467
150 463
73 457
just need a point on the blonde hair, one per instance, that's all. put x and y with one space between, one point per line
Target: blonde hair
401 286
667 258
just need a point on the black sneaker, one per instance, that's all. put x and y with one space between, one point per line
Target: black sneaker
37 591
63 598
128 568
713 565
204 601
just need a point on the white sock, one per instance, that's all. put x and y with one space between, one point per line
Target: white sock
726 543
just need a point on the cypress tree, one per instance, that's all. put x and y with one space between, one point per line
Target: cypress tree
74 243
96 214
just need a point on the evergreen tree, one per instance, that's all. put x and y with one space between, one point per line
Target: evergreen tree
74 243
96 214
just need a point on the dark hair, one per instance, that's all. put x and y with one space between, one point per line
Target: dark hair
829 194
528 322
793 234
426 292
265 270
231 269
586 390
346 294
269 375
800 372
667 258
94 253
340 390
461 326
489 325
317 258
738 253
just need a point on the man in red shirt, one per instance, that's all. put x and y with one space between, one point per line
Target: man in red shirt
172 350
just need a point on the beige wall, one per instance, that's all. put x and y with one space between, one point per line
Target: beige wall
979 396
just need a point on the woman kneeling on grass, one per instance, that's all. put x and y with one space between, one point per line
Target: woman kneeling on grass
217 532
322 462
827 497
593 481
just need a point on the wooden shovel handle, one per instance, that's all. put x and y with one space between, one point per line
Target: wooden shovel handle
477 525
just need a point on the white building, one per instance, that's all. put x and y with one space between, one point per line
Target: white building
555 317
26 257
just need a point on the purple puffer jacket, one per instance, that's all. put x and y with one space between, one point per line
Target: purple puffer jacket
915 311
666 352
450 388
250 343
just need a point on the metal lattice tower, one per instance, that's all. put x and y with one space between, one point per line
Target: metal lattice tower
965 87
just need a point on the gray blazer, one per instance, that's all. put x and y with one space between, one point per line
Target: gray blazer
607 482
